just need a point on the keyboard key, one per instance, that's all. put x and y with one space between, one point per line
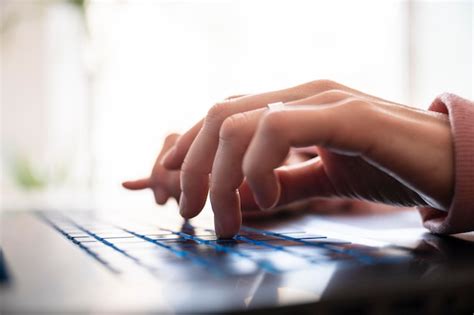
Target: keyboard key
304 236
112 234
207 237
93 244
78 234
161 237
135 245
128 240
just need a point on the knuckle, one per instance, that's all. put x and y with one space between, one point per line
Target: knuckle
217 113
334 93
359 106
273 122
325 84
231 127
171 137
170 141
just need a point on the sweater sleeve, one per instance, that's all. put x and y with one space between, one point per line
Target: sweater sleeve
460 216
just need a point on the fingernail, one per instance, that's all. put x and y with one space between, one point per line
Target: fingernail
263 202
182 205
169 156
268 199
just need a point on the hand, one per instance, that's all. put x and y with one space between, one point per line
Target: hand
368 149
201 140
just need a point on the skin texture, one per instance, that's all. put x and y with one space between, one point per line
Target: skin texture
365 148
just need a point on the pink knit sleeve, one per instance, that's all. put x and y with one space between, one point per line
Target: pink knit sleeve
460 217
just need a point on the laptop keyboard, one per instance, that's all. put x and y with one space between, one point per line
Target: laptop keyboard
164 251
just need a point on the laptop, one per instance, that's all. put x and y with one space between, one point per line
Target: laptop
154 262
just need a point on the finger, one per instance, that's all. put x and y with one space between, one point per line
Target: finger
148 181
227 176
174 158
298 182
160 176
247 201
169 154
173 185
166 150
302 181
138 184
161 195
348 131
198 161
170 141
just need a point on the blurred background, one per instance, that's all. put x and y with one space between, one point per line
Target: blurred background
89 89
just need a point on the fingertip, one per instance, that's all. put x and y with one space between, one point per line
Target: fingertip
225 231
228 219
127 184
184 208
161 196
137 184
193 197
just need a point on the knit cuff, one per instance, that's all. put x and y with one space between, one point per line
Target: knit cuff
460 216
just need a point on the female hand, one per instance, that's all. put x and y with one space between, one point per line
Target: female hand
368 149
